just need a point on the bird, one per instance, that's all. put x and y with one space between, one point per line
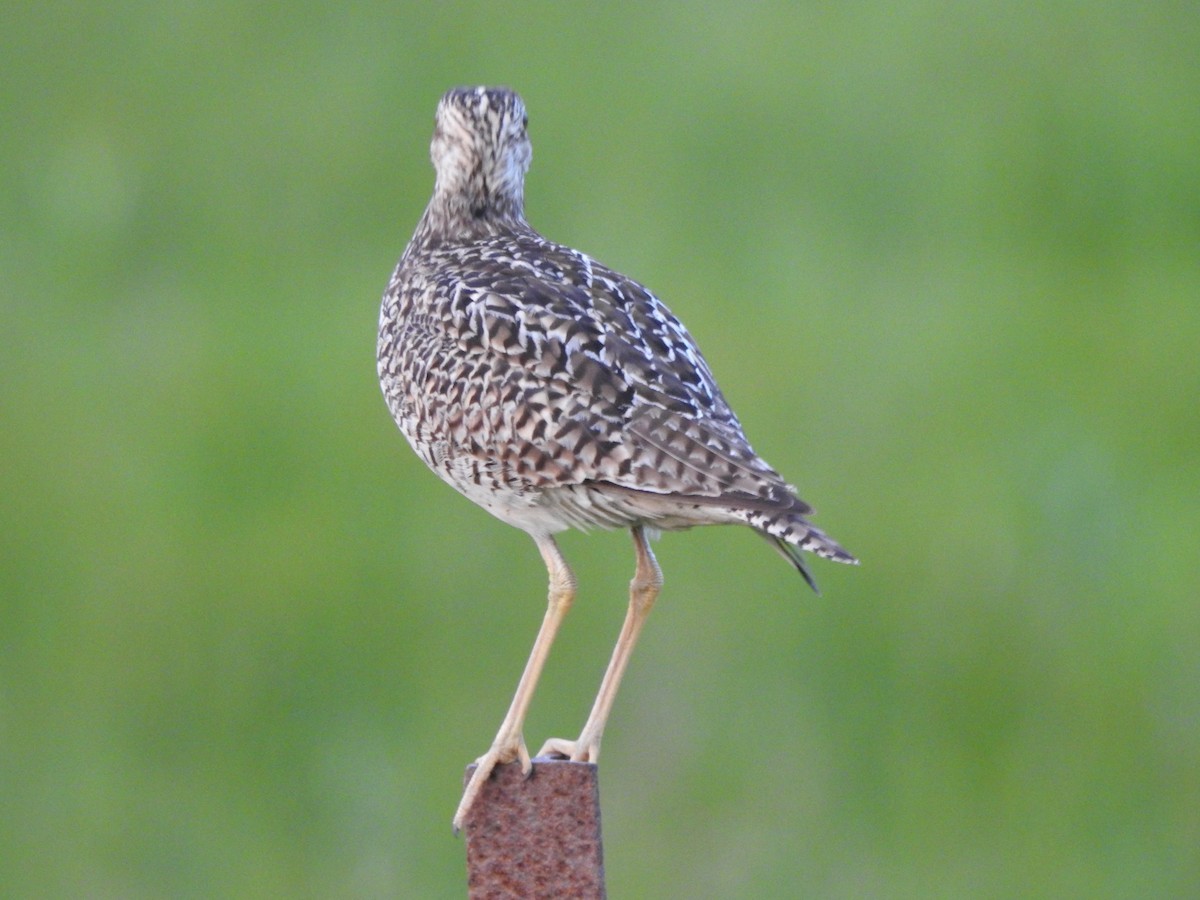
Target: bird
556 393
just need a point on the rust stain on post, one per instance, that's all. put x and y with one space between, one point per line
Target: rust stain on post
536 837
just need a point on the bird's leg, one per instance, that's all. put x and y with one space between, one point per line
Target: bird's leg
643 590
509 743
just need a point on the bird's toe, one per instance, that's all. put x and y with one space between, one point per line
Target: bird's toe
498 754
576 751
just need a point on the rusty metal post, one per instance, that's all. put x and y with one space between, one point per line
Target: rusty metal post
536 837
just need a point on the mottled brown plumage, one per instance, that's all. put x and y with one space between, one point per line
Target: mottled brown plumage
556 392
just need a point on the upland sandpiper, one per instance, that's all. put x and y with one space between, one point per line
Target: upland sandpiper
557 393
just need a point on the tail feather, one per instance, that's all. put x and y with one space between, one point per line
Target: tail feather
793 536
795 556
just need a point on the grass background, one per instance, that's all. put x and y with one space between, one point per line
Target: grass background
944 259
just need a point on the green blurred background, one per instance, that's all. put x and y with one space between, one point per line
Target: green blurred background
945 261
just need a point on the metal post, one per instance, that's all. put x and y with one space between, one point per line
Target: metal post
536 837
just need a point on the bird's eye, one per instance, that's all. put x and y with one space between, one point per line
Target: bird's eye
524 122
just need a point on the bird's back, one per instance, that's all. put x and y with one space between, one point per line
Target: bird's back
556 392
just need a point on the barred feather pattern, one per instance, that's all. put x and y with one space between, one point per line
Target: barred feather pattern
548 388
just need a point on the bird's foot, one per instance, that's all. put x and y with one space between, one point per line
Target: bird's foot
504 750
586 749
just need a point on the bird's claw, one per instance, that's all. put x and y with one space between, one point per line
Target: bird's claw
577 751
498 754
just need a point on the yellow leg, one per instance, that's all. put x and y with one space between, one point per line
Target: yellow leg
509 743
643 590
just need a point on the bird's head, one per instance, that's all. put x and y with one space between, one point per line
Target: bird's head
481 152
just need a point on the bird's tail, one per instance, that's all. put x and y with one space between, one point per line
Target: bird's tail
794 535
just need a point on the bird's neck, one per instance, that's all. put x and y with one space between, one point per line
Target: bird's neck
459 212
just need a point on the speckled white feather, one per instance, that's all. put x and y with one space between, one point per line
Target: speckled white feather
549 389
